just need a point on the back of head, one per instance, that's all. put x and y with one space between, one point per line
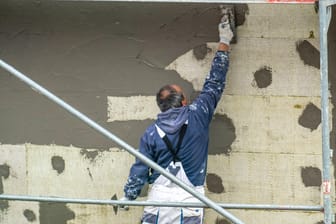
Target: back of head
168 98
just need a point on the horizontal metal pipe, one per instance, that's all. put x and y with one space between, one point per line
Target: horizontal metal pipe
159 204
207 1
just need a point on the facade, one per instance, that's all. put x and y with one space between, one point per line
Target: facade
109 59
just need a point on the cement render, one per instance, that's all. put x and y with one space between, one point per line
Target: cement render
84 52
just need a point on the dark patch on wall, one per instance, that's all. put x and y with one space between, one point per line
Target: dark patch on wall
4 173
311 35
115 207
89 154
4 205
58 164
308 53
214 183
201 51
30 215
90 174
263 77
222 221
320 222
310 117
223 134
55 213
311 176
241 10
316 7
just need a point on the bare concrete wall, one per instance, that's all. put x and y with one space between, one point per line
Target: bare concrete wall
109 59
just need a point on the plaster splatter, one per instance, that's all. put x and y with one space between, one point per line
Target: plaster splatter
58 164
201 51
241 10
263 77
55 213
214 183
222 221
115 207
4 205
310 117
4 173
89 154
90 174
308 53
223 134
30 215
311 176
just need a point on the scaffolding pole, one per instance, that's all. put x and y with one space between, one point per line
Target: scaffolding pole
325 17
317 208
116 139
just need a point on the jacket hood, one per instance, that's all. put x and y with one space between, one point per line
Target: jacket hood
171 120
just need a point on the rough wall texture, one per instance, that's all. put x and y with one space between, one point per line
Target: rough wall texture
108 60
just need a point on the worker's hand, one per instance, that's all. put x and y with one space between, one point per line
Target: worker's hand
125 207
225 32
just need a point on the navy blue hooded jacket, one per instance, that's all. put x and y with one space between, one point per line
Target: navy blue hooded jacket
193 152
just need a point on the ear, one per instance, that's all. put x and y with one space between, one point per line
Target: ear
184 101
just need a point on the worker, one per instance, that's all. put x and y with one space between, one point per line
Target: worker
178 142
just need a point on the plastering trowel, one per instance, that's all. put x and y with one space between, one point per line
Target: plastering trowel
228 13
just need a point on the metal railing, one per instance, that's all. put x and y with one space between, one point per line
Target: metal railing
324 21
316 208
325 17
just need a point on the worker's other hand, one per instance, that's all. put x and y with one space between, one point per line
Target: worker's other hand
124 207
225 32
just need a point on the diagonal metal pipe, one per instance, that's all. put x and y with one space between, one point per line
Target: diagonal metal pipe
116 139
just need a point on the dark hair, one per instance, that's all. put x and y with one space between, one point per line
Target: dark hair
172 99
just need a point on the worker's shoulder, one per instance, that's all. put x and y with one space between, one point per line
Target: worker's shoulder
150 130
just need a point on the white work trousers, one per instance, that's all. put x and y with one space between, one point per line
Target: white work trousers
163 190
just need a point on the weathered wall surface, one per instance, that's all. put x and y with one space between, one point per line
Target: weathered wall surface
108 60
